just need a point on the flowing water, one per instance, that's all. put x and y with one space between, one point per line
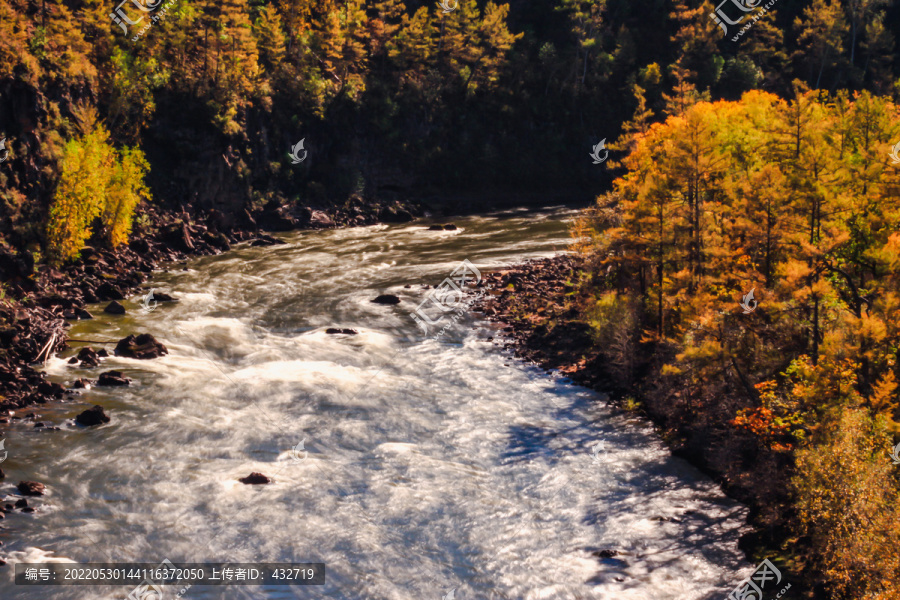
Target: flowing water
428 464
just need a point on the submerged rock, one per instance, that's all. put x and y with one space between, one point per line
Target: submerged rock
163 297
113 378
114 308
143 346
386 299
31 488
255 479
95 415
335 330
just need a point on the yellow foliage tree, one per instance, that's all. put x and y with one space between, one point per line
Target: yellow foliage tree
95 181
848 503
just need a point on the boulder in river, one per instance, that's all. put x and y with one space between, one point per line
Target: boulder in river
255 479
113 378
30 488
162 297
386 299
95 415
114 308
143 346
345 331
82 384
88 357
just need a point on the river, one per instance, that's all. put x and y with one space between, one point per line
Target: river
429 465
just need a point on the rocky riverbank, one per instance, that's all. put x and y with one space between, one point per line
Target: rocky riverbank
539 306
39 301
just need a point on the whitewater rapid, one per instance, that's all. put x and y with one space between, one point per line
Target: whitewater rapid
427 465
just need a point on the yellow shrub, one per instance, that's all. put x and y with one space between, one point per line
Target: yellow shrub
95 181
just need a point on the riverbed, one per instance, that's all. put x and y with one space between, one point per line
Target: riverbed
412 464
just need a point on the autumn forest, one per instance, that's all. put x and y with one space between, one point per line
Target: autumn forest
766 161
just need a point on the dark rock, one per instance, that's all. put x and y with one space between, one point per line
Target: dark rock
102 353
266 240
114 308
386 299
277 219
30 488
320 219
82 384
108 291
255 479
217 240
143 346
95 415
2 474
41 424
140 245
112 378
21 503
49 388
28 510
88 357
83 314
450 227
395 214
163 297
605 553
73 360
436 228
178 236
335 330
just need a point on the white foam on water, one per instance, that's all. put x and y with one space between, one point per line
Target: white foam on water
428 464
